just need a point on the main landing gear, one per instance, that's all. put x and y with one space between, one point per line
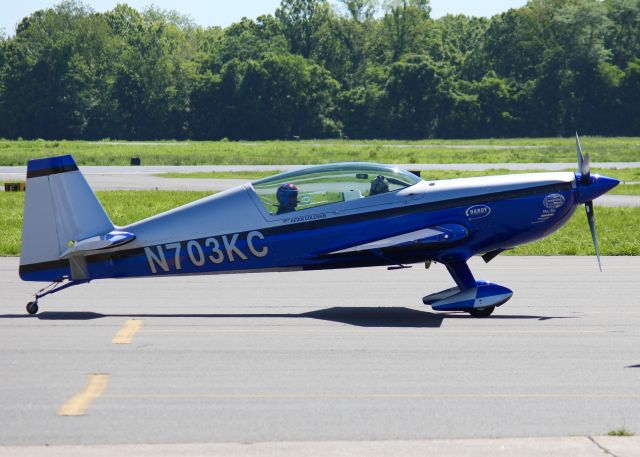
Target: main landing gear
478 298
56 286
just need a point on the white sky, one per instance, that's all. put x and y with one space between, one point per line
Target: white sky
224 12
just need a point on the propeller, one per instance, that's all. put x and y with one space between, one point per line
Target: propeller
584 166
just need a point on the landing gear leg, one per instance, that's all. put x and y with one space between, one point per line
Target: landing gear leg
478 298
56 286
463 277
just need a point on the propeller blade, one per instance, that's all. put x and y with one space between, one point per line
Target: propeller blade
584 164
592 226
580 158
585 170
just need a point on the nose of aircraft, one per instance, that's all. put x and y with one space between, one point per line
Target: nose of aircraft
597 186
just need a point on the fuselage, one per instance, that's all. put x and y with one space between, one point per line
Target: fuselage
234 231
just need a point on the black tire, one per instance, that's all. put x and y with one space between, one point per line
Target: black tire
482 312
32 307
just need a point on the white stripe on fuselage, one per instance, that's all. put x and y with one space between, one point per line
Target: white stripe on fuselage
392 241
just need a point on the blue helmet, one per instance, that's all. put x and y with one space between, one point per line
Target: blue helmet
287 196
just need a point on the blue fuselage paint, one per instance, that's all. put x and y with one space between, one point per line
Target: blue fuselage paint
492 224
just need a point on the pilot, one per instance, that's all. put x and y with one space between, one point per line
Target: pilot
380 185
287 196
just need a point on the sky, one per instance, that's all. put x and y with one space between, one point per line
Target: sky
224 12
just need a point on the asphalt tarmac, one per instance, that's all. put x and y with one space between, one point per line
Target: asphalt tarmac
321 357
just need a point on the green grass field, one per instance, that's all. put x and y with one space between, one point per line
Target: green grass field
616 226
626 189
525 150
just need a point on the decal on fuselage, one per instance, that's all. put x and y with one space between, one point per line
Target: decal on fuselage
551 204
213 250
553 201
311 217
477 212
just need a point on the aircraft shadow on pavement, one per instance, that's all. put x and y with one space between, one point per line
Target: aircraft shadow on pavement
392 317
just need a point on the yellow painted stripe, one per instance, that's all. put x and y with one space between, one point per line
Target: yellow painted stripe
126 333
78 404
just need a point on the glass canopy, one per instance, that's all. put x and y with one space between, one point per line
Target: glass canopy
325 184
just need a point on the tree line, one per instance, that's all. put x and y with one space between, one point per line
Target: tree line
314 69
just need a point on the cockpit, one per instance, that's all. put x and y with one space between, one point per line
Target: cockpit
326 184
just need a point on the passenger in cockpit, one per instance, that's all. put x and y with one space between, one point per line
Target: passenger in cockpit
380 185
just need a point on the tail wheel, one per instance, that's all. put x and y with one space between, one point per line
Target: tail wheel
32 307
482 312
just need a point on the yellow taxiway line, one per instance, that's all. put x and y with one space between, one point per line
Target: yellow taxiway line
126 333
78 404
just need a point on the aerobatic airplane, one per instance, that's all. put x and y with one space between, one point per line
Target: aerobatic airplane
339 215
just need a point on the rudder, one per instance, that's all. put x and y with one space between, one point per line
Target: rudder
59 209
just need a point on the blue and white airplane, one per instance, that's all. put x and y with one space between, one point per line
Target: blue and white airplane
322 217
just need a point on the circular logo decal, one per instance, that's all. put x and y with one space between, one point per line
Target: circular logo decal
553 201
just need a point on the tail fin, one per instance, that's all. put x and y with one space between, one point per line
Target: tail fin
59 209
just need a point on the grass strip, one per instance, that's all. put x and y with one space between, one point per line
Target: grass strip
125 207
612 226
626 189
521 150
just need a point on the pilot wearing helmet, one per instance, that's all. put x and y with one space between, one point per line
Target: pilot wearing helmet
287 196
380 185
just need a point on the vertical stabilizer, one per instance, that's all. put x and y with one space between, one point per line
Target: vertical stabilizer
59 209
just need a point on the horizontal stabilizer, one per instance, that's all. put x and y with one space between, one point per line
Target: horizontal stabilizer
98 243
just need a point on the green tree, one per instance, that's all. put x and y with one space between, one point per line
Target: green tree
571 62
152 77
416 96
629 114
53 68
454 39
284 96
405 27
247 39
300 21
623 38
354 27
206 116
363 108
495 98
4 132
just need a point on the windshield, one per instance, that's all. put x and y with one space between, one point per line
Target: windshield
325 184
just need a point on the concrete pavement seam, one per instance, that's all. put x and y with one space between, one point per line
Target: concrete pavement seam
604 449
